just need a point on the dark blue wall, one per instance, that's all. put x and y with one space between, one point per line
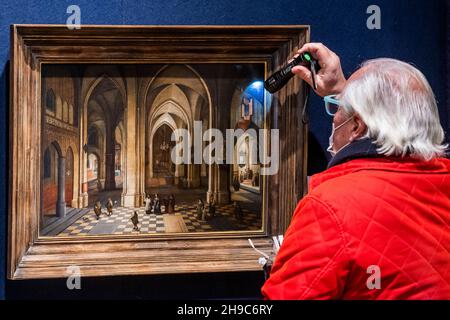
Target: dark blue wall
414 31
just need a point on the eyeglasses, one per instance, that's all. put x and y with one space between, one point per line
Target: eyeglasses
332 104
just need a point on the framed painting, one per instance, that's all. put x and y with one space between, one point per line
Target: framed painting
151 149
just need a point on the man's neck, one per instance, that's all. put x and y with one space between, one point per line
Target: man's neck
364 148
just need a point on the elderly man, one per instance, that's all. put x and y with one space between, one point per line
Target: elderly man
376 224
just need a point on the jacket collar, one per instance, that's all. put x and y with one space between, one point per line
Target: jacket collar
364 148
360 156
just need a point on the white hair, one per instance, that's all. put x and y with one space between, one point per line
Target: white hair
397 104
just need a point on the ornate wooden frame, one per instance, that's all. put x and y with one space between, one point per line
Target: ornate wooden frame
31 256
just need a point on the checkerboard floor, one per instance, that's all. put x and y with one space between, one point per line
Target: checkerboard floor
119 222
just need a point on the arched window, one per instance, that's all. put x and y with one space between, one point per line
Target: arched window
58 113
50 102
47 164
93 137
65 112
70 114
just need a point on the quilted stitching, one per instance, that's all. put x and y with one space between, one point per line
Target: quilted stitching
394 213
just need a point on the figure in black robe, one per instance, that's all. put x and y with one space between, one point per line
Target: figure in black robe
156 205
211 206
171 204
164 203
135 221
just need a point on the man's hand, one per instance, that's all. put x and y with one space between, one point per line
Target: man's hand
330 78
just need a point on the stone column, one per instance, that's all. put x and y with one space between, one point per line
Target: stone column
150 158
110 176
61 198
203 175
195 176
212 182
132 194
204 167
222 117
223 185
75 174
177 174
83 183
101 168
141 111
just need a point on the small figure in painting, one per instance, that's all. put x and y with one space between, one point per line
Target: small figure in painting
98 209
212 209
204 214
248 174
255 181
156 205
148 204
212 206
152 204
200 208
236 184
135 221
171 204
109 207
165 204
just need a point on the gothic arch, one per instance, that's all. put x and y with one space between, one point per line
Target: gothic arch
167 107
173 94
58 148
50 101
153 83
93 75
165 119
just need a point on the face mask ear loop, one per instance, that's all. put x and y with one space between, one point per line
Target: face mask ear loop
333 131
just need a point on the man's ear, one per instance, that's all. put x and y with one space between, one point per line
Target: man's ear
359 128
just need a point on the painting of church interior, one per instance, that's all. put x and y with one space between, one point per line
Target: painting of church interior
106 165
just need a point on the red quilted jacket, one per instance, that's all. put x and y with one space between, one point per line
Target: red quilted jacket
390 213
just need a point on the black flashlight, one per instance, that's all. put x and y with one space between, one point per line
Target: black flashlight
280 78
